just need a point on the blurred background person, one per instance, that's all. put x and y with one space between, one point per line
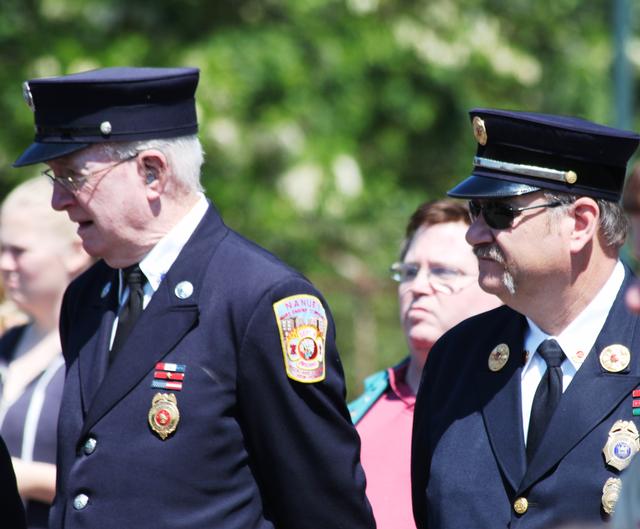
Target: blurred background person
39 254
631 204
10 315
438 288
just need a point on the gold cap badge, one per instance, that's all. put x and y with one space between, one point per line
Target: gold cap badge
615 358
499 357
610 494
164 414
479 130
622 445
571 177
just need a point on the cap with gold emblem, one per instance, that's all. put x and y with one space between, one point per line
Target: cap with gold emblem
523 152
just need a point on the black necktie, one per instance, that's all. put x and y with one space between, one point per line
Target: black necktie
131 310
547 396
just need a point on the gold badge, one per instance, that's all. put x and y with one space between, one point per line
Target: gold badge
570 177
610 494
479 130
615 358
623 443
302 322
499 357
164 414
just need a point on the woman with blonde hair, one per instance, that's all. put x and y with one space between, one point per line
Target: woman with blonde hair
40 254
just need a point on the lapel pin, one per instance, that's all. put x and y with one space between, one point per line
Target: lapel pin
622 444
610 494
105 290
498 357
615 358
184 289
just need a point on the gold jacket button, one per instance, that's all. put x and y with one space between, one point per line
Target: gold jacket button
520 505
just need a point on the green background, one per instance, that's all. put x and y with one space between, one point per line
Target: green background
326 122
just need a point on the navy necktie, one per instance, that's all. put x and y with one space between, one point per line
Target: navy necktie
547 396
131 310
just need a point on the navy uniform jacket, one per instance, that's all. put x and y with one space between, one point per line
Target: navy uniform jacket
468 453
252 449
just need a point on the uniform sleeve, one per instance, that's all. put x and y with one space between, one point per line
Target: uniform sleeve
421 435
10 503
420 455
303 448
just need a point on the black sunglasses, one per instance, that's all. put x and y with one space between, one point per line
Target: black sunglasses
499 215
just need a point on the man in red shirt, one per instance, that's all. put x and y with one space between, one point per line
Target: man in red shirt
437 288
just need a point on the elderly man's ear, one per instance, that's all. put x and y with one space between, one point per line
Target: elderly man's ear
154 169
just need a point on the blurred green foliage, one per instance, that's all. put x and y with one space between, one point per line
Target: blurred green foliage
326 122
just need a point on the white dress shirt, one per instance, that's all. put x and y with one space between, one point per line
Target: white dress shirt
157 262
576 341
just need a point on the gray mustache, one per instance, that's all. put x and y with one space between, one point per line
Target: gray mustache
489 251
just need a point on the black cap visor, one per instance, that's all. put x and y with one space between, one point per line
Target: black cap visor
486 187
43 152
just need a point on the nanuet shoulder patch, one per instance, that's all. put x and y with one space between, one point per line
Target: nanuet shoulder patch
302 322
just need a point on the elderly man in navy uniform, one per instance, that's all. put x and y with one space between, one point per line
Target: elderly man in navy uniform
528 415
203 388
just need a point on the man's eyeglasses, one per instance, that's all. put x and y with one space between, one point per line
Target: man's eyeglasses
499 215
441 278
73 181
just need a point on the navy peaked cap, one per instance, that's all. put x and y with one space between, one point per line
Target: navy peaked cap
110 104
522 152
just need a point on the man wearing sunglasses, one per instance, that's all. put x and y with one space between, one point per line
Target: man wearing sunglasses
527 415
203 384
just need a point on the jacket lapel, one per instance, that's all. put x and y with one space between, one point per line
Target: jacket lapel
163 323
92 360
576 408
503 411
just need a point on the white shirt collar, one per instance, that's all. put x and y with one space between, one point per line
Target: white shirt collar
581 334
157 262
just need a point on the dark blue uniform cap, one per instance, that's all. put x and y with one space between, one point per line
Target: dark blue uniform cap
522 152
107 105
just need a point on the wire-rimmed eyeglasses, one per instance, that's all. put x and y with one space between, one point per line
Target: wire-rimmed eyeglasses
441 278
73 181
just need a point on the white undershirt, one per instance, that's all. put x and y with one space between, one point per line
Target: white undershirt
576 341
157 262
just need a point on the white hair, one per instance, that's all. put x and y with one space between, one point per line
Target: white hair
184 155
